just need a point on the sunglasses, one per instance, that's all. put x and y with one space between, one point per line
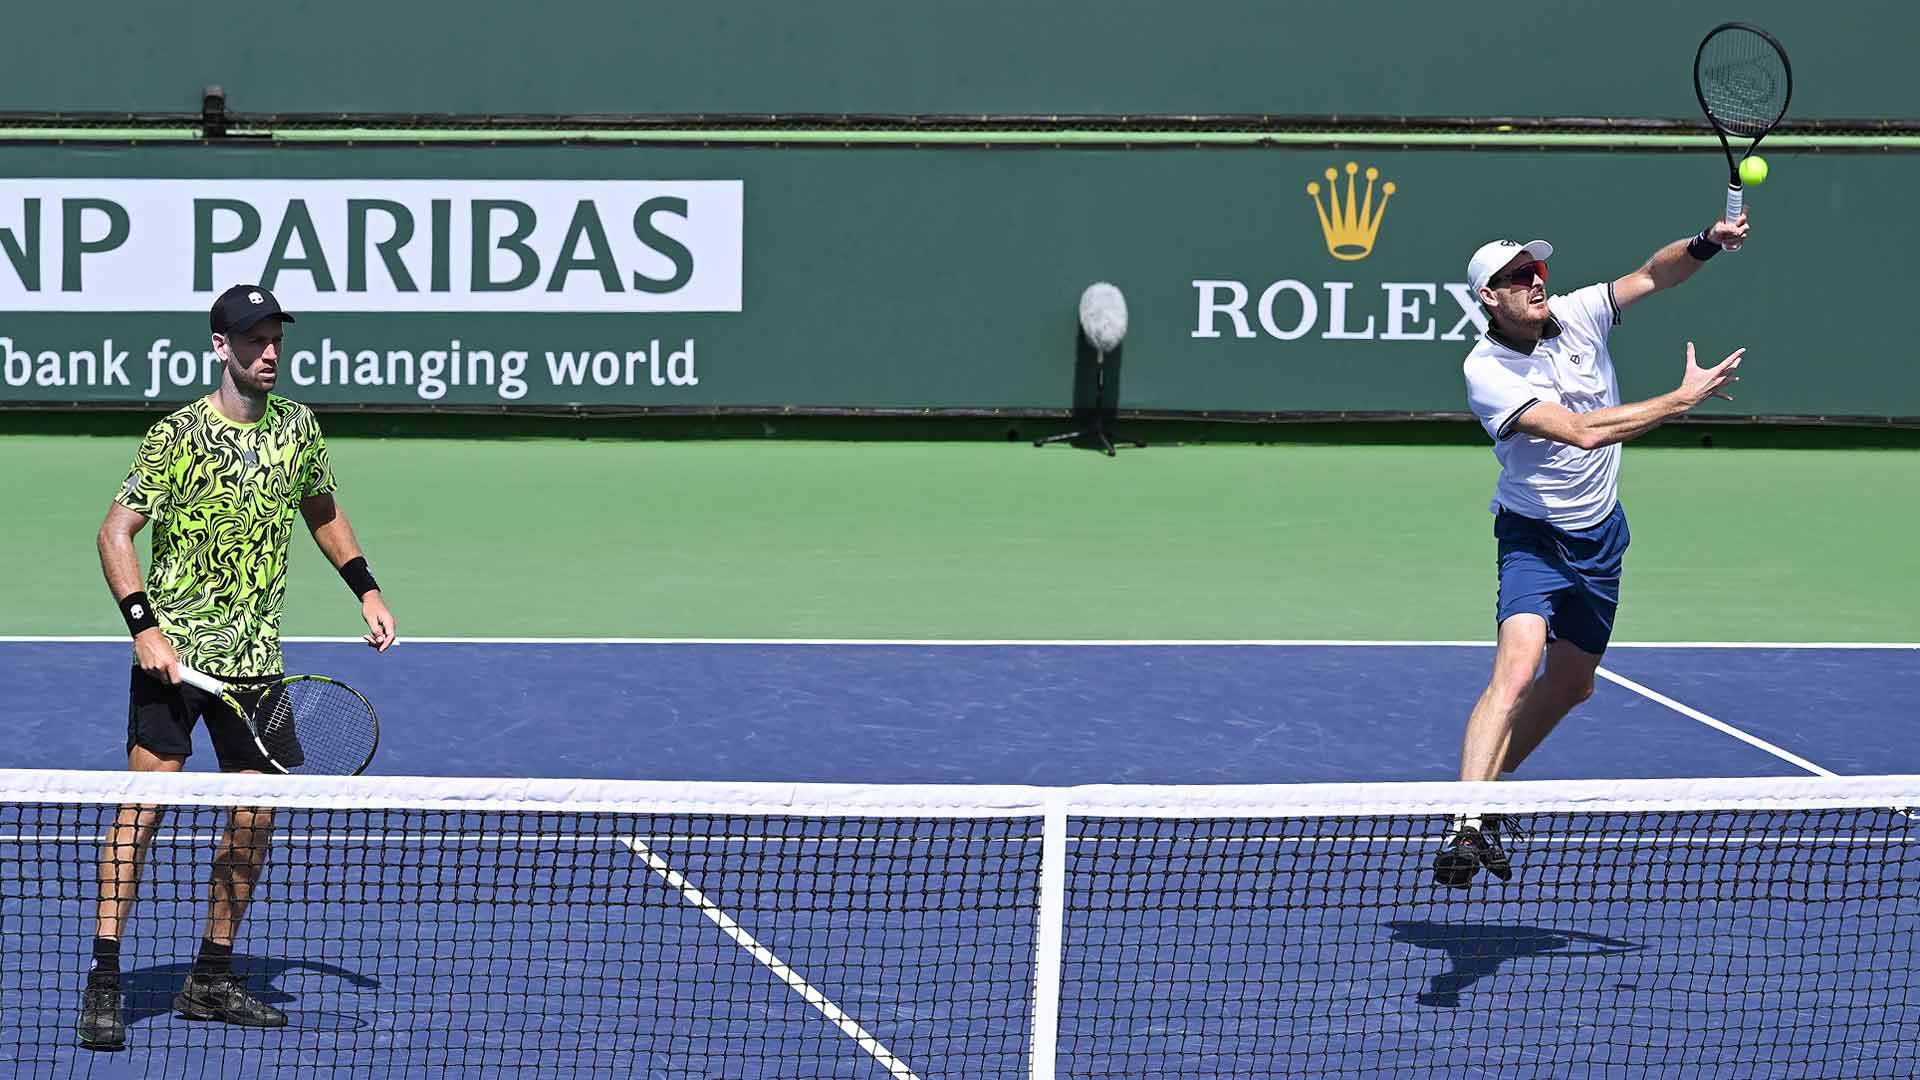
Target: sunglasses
1520 275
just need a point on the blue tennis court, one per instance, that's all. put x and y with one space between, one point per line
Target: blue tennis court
1253 947
1023 713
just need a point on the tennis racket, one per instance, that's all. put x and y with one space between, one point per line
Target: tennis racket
307 724
1743 81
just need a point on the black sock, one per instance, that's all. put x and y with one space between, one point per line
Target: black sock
214 958
105 972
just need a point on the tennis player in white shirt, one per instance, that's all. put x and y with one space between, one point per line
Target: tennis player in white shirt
1542 384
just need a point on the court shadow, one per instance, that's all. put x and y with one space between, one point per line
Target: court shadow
148 992
1477 950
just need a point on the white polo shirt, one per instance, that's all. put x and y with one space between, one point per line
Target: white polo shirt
1540 478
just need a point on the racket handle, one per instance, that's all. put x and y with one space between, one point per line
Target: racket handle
202 680
1736 199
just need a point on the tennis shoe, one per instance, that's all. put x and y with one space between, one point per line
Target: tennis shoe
1492 855
102 1027
223 998
1460 858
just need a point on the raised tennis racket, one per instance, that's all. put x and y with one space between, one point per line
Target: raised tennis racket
1743 81
307 724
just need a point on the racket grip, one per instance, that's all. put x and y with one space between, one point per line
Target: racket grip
202 680
1736 200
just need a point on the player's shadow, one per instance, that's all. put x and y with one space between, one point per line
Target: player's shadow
1476 951
148 992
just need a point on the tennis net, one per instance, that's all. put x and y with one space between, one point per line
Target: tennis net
429 927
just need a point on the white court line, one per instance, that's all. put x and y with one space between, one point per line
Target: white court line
773 963
1718 725
1753 644
88 639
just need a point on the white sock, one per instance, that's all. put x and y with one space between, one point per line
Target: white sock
1465 821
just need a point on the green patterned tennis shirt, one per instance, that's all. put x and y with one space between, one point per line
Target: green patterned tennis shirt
222 497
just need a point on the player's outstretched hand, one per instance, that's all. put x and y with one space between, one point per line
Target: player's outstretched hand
1729 234
1700 383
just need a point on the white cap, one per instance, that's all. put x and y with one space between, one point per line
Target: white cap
1496 254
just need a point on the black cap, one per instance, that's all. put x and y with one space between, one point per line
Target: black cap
240 307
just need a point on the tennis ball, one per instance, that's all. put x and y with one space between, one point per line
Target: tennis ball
1753 171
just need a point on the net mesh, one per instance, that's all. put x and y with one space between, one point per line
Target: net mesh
1629 944
1743 81
568 928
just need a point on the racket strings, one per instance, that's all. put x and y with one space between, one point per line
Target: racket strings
316 726
1743 82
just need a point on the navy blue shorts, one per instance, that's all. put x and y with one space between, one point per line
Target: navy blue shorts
1571 578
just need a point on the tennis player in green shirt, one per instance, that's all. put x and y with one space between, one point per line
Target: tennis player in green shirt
222 481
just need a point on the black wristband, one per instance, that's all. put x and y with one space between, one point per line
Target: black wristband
358 577
138 611
1702 248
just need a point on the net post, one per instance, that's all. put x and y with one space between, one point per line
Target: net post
1050 934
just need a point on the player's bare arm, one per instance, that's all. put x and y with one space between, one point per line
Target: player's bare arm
120 564
1674 264
1620 423
334 534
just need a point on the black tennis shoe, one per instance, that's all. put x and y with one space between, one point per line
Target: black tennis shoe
1492 855
101 1025
223 998
1461 858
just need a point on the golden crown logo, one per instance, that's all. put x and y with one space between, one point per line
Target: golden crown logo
1350 230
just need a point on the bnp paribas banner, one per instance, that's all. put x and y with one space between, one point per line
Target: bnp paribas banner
1258 281
388 247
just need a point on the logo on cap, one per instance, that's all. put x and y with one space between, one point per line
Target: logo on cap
255 298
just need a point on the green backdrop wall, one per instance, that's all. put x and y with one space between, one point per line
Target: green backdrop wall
1627 58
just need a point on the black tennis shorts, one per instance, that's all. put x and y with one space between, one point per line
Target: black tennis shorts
161 718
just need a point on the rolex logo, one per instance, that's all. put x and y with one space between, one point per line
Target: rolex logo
1350 229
